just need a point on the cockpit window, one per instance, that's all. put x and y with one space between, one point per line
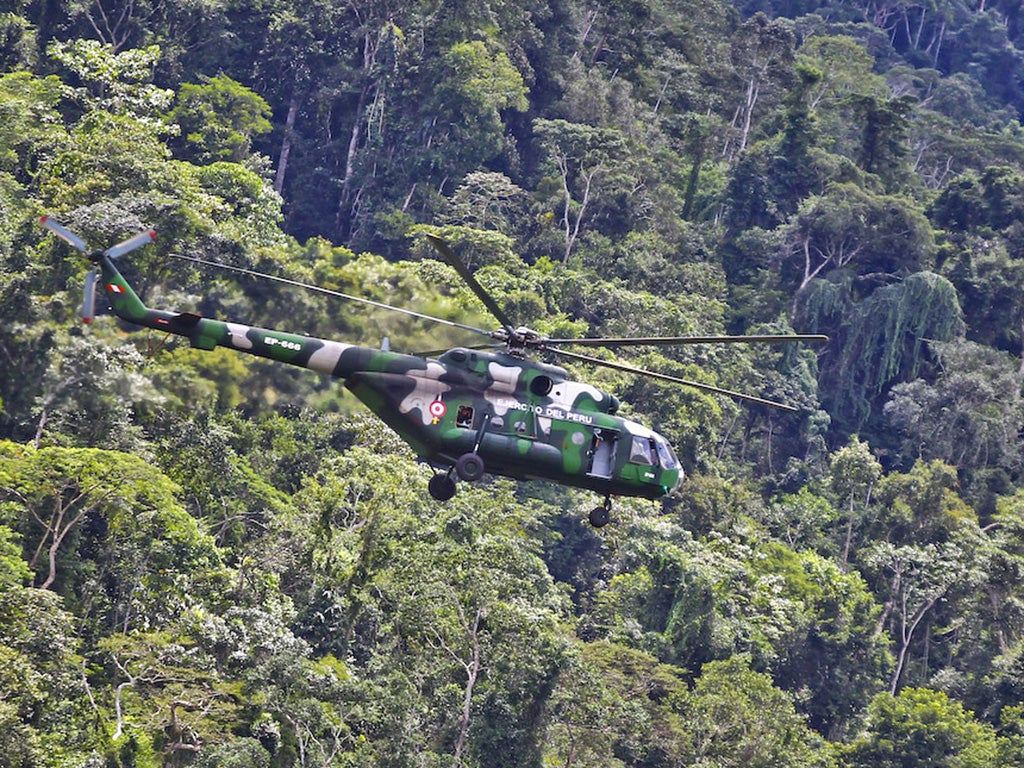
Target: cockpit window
640 452
666 456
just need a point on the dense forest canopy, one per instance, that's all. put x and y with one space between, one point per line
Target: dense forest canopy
209 560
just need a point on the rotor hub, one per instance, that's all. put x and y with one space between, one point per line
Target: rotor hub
520 339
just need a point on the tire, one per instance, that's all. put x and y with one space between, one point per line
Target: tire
469 467
599 517
441 487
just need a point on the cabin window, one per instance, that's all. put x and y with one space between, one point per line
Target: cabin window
640 452
464 417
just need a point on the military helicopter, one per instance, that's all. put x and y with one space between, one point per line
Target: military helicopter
467 411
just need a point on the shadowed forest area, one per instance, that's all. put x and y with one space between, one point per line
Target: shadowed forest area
216 561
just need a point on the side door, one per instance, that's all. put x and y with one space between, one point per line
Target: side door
602 452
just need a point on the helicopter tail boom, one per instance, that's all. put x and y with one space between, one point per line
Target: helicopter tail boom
322 355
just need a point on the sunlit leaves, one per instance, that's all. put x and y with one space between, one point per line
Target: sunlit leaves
219 119
115 81
122 511
924 727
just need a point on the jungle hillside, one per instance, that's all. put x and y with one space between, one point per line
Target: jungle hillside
211 560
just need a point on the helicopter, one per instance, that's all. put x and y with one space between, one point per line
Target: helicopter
468 411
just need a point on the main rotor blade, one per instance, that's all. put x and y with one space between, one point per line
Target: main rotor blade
64 234
481 293
439 352
126 246
336 294
636 341
665 377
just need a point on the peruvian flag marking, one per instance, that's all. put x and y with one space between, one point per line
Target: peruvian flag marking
114 288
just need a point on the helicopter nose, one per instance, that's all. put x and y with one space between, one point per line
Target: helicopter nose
680 477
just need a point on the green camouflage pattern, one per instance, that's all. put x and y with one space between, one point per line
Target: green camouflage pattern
523 419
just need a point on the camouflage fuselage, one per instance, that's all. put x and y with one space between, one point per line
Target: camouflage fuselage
524 419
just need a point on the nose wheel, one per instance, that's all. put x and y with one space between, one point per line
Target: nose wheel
599 517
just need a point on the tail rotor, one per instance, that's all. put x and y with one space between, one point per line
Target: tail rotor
88 309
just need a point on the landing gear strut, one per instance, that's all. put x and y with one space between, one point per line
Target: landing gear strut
468 467
600 516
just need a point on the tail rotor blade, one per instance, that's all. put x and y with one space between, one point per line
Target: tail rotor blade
139 240
64 234
89 297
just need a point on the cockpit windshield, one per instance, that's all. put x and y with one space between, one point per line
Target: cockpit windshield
666 456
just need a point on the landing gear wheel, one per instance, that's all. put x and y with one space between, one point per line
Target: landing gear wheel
441 487
600 516
469 467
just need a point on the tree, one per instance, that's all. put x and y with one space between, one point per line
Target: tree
88 393
148 561
880 340
176 25
585 158
613 702
916 579
827 654
164 686
488 201
883 147
877 237
762 55
17 42
477 613
737 717
44 714
969 417
218 119
481 83
30 129
924 555
854 474
116 81
921 727
795 615
988 281
450 609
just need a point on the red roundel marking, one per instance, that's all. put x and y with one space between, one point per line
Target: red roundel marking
437 409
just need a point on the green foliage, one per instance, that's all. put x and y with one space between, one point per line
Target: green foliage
117 82
235 565
120 510
965 417
738 717
921 727
218 120
613 701
884 340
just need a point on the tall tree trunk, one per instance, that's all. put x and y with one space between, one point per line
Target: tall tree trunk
286 144
472 666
